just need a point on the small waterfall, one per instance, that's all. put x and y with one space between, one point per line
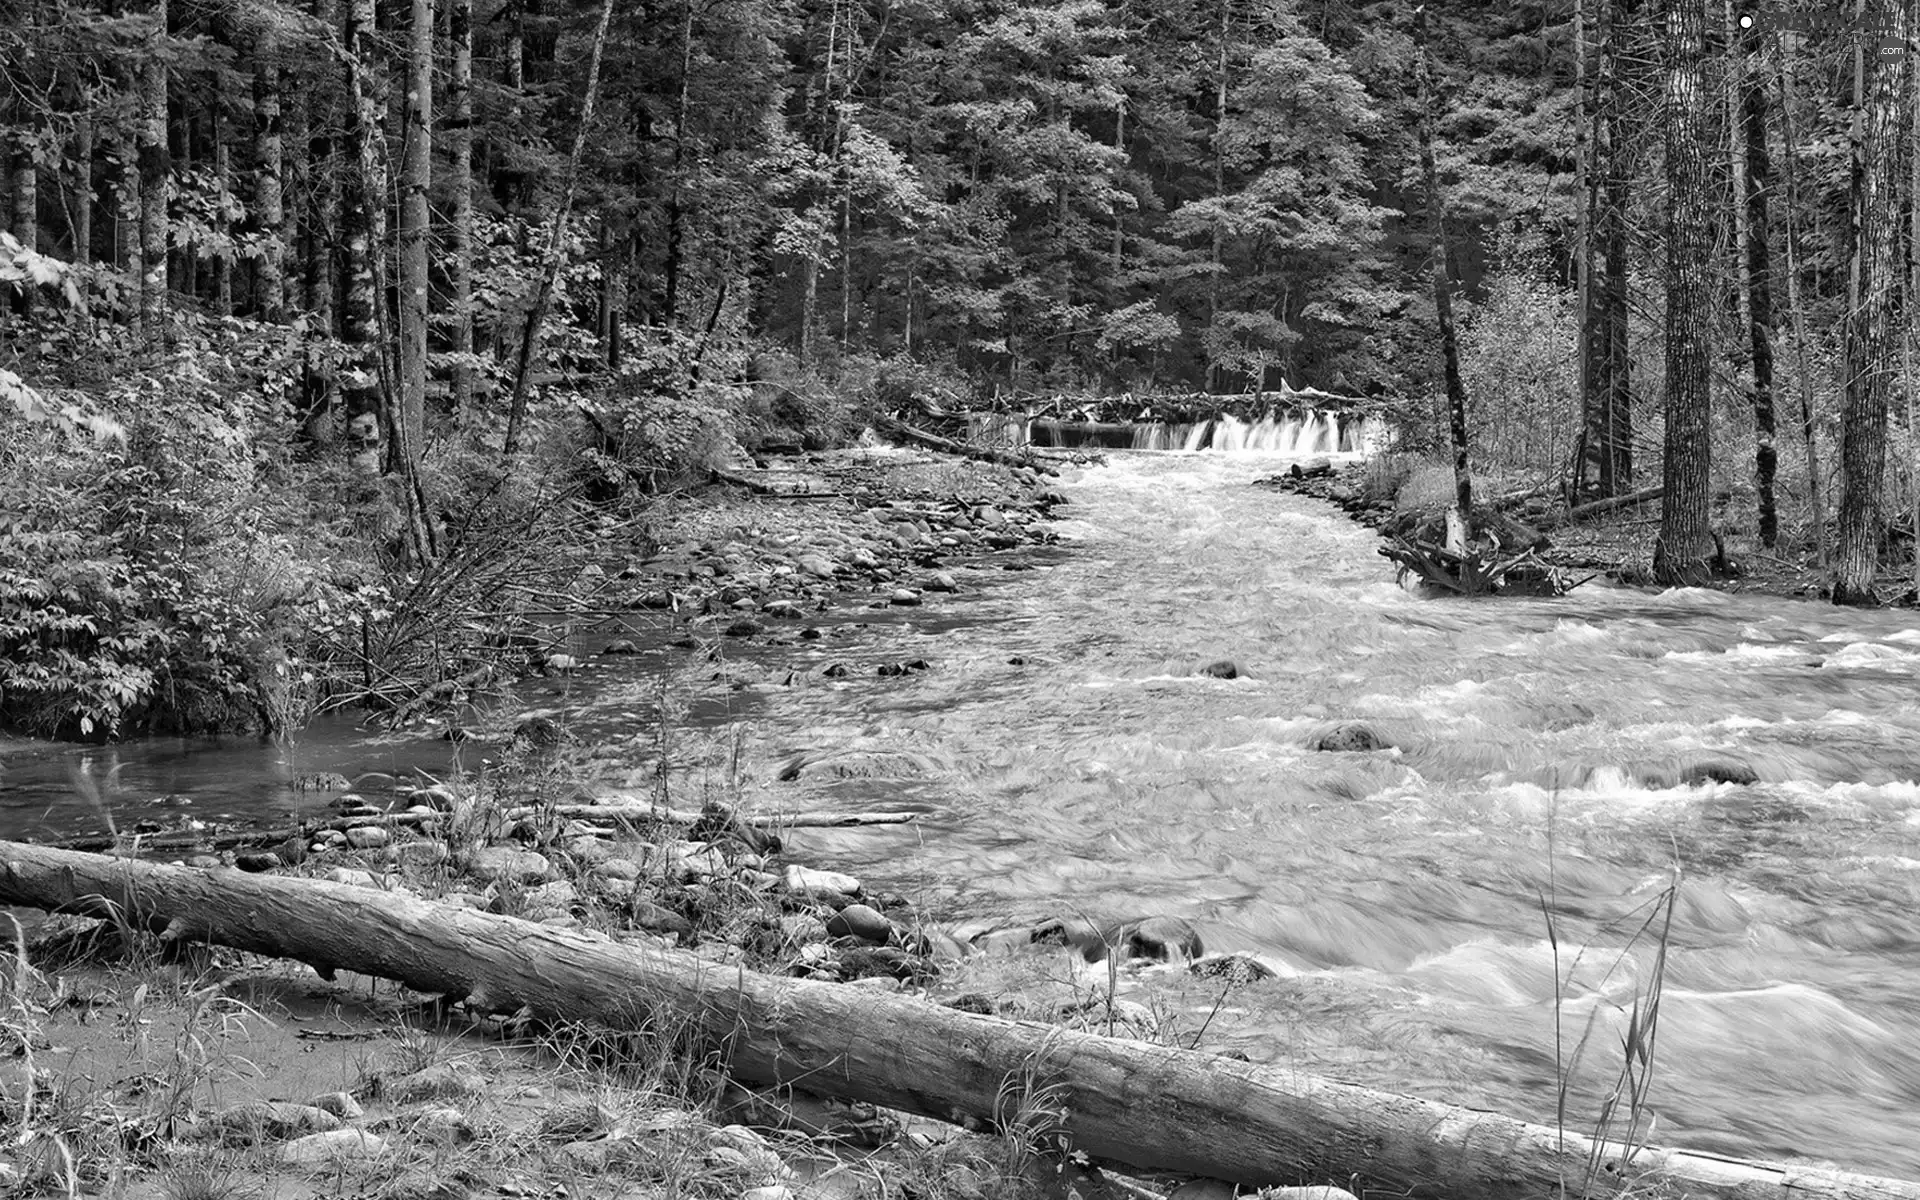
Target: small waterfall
1296 432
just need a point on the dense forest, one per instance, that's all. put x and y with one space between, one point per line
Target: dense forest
292 286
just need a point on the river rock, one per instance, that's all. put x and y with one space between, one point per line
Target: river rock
368 837
441 1081
589 850
1236 969
940 581
564 664
617 868
260 1120
835 671
621 646
1159 938
445 1126
507 864
809 881
339 1145
1718 770
989 516
258 862
858 920
744 627
340 1104
352 878
549 900
905 598
541 733
321 781
1224 668
1350 737
817 565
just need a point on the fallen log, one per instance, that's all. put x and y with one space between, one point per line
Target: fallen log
933 441
1596 507
1148 1106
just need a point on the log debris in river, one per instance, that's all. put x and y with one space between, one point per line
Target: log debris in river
1129 1102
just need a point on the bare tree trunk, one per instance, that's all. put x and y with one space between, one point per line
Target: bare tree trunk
150 140
1442 281
416 226
1684 550
1809 430
126 223
23 185
1218 247
1759 264
363 221
682 109
1147 1106
556 238
270 271
460 217
1606 434
82 220
223 225
1583 255
1879 169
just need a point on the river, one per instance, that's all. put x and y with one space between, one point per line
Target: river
1543 752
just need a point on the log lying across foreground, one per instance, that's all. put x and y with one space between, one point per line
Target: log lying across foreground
1129 1102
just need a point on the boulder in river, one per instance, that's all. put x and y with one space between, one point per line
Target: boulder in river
321 781
1718 770
861 921
1224 668
1350 736
1160 938
621 646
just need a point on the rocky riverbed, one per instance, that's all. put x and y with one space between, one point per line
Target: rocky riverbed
238 1076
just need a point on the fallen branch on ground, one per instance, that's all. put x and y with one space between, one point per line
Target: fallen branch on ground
1149 1106
933 441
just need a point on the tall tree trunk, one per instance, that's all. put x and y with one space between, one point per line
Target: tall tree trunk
363 224
1874 305
270 271
556 239
682 110
23 186
459 132
1606 415
1759 183
416 225
126 219
1583 255
82 218
150 141
1683 553
1442 282
316 185
222 256
1217 250
1809 427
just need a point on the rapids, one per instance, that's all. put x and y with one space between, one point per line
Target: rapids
1549 752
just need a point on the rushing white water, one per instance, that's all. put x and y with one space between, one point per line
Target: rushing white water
1549 754
1544 752
1294 432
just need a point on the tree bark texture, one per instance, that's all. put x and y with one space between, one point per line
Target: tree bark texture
1606 462
416 226
459 134
270 270
1760 316
1809 429
1442 281
82 219
1684 550
1131 1102
1876 311
155 166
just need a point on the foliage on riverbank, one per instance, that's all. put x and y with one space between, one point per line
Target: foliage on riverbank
181 552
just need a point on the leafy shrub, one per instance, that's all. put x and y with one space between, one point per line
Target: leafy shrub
144 584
